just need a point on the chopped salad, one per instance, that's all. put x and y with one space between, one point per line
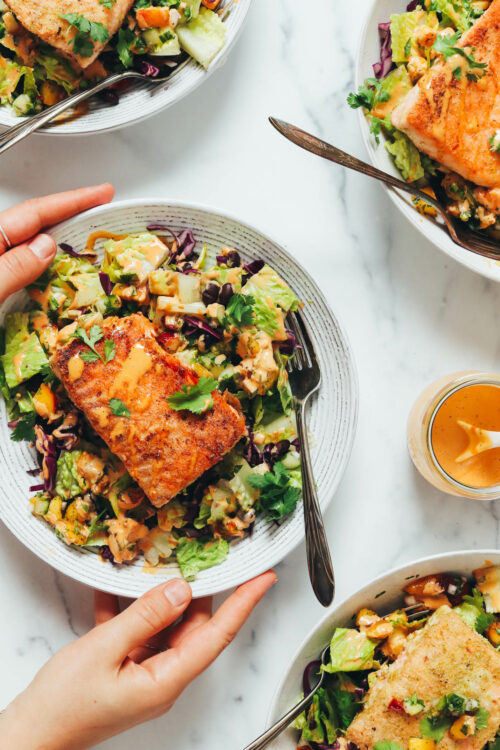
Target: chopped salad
425 677
411 43
225 321
155 37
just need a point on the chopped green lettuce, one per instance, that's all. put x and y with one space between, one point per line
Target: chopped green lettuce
55 68
403 26
350 651
203 37
69 483
268 285
24 356
406 157
245 493
133 258
456 13
473 613
194 555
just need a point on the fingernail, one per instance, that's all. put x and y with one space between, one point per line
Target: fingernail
42 246
177 592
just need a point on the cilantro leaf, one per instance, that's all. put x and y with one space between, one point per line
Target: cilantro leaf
118 408
109 350
195 398
126 39
239 310
89 356
484 621
24 429
385 745
107 3
494 142
277 495
446 46
434 727
87 32
369 94
482 717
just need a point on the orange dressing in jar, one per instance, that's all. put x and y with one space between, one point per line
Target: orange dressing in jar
437 442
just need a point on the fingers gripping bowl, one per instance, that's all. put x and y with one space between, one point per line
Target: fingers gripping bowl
399 719
332 417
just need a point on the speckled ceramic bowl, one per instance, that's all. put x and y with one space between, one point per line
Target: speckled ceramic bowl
140 100
332 415
383 594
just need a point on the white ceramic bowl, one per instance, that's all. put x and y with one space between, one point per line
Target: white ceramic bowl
383 594
332 415
368 53
141 100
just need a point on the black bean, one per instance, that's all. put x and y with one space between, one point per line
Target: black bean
211 293
226 293
233 259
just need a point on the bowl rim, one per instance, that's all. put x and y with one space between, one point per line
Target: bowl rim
333 609
478 264
219 60
275 556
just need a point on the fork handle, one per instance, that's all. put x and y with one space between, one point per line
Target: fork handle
270 734
16 133
319 561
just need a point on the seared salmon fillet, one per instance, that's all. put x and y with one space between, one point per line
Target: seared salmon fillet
452 120
445 657
163 450
43 19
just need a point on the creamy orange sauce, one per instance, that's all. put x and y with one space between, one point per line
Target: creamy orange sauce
102 235
17 361
41 297
40 322
137 364
155 251
75 368
479 405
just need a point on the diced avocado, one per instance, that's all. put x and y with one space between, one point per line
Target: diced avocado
203 37
132 258
69 483
350 651
88 290
488 583
24 356
403 26
162 42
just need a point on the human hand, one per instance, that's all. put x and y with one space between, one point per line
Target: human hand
118 675
28 251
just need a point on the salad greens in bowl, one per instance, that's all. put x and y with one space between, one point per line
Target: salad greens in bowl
421 66
196 466
413 662
46 56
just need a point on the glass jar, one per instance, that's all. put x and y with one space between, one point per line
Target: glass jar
421 427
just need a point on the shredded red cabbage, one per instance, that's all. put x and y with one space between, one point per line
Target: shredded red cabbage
288 347
193 326
185 245
254 267
148 69
311 669
382 68
413 5
45 446
68 249
105 282
37 487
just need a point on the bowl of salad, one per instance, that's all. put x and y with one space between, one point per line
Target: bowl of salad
147 420
49 53
413 663
421 66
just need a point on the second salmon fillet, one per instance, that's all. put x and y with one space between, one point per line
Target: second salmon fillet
453 119
43 19
162 449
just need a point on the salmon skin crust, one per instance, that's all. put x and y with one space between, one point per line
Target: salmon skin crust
452 120
43 19
162 449
445 657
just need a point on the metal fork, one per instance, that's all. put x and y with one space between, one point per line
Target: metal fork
457 229
414 612
305 379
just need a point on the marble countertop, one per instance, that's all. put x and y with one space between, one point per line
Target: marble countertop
411 314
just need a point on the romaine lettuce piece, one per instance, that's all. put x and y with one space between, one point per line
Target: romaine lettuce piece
488 583
283 386
56 68
391 91
406 157
268 285
88 290
133 258
69 482
350 651
203 37
456 13
245 493
24 356
194 555
403 27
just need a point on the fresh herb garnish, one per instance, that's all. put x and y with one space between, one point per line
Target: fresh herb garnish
446 46
369 95
494 142
126 40
385 745
91 339
239 310
24 429
88 32
96 526
118 408
195 398
433 727
277 496
107 3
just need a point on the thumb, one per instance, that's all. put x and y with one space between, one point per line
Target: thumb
146 617
24 264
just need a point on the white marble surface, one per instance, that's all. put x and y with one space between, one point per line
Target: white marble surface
411 315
